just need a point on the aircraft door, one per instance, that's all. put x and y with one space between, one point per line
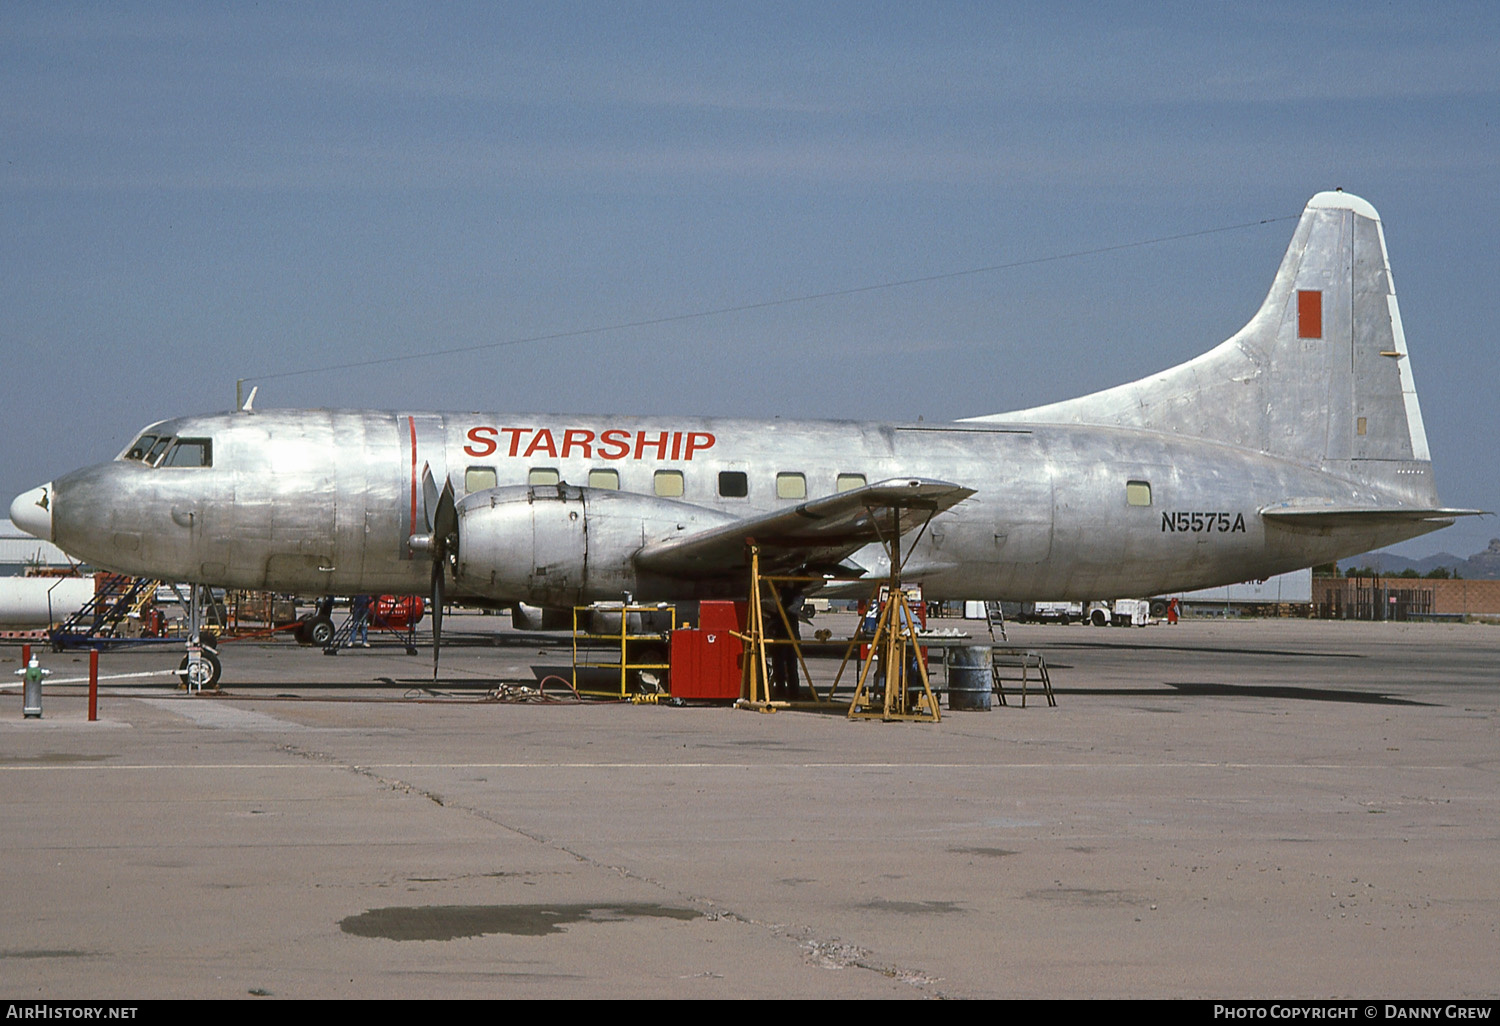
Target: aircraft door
352 476
1022 531
251 502
290 473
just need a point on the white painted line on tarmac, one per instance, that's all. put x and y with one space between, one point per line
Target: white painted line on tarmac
49 682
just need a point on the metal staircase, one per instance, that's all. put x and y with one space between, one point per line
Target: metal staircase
98 623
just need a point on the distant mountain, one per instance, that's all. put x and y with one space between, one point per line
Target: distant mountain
1479 567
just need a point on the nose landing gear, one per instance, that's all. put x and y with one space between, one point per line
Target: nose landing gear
200 668
202 673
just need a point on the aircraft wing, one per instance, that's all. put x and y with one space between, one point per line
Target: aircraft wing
824 531
1320 513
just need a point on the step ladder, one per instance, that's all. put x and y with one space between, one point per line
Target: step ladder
995 616
1023 665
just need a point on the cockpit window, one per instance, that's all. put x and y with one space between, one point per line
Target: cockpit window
190 452
141 447
159 447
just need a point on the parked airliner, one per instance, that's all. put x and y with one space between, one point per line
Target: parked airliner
1297 441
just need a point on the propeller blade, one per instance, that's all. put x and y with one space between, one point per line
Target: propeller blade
444 553
445 522
429 495
437 614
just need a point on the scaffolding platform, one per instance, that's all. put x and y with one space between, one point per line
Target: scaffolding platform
650 651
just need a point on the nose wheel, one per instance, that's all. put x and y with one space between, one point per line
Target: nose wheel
204 673
200 668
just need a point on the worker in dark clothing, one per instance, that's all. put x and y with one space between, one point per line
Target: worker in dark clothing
785 682
361 609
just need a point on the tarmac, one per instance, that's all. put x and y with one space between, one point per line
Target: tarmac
1238 809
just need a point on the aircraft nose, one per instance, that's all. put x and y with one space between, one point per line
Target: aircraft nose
32 512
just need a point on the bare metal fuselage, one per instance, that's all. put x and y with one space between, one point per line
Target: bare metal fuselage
326 501
1296 441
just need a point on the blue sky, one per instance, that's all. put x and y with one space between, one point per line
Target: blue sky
196 193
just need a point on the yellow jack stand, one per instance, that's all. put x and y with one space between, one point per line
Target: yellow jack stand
755 687
894 650
894 646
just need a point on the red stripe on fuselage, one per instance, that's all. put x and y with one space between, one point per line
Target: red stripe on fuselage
411 423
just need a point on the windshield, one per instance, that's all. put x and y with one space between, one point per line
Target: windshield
157 448
166 451
141 447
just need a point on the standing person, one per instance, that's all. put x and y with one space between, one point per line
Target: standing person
785 680
361 636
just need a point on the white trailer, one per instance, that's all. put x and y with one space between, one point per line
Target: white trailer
1119 613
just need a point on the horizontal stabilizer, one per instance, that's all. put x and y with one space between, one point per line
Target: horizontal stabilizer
823 531
1317 513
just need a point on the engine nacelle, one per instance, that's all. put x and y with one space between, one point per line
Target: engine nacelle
557 545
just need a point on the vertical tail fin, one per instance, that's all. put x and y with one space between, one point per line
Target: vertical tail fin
1320 375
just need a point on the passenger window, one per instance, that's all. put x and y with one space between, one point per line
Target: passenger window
733 484
141 447
849 482
190 452
606 479
479 479
1138 493
668 483
791 486
543 476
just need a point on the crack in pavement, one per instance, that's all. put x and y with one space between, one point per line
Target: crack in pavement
830 953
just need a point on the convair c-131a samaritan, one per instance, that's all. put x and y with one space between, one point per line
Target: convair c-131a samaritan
1297 441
